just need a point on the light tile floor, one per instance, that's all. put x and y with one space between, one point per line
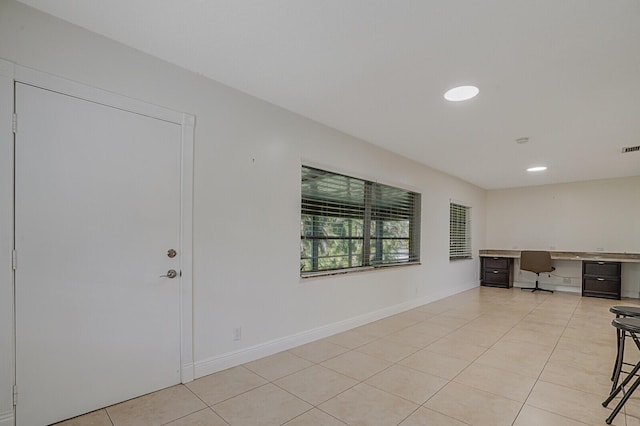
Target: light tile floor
483 357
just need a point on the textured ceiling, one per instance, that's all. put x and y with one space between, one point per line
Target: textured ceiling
565 73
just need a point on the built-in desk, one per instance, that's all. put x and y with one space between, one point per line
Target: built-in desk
601 272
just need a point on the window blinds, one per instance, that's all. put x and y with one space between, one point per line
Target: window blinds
459 231
348 222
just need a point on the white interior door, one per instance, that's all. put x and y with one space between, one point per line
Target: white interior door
97 209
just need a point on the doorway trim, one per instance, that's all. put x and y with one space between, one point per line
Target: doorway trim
10 73
7 322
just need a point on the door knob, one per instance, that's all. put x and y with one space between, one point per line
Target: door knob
171 273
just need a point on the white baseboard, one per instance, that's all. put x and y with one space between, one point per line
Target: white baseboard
187 373
241 356
6 419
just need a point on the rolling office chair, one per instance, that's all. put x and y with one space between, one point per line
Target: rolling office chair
536 262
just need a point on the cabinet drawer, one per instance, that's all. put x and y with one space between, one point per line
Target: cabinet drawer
496 276
602 269
601 286
496 262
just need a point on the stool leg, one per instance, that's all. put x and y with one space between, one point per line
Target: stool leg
615 364
624 399
619 359
635 339
624 383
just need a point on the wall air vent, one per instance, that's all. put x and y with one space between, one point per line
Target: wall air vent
630 149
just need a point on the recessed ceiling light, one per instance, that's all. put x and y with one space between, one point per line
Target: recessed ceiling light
461 93
537 169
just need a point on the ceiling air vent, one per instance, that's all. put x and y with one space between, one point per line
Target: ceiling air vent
630 149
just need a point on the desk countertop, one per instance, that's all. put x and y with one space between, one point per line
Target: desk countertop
569 255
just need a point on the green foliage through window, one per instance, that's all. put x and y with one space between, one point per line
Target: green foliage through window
348 223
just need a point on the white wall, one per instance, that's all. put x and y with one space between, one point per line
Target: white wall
591 216
247 200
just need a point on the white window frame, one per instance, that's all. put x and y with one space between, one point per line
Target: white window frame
374 204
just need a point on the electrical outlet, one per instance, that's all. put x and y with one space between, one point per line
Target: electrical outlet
237 333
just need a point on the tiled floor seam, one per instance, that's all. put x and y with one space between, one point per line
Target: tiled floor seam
578 325
410 414
317 406
322 402
551 412
560 414
191 414
501 337
109 417
545 364
299 415
444 414
231 397
210 407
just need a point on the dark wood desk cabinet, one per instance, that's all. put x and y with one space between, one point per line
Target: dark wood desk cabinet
601 279
496 271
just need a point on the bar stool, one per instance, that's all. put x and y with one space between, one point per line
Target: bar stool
622 312
631 326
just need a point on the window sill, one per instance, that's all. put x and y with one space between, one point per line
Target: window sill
453 259
350 270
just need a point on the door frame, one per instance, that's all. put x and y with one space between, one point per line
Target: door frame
7 323
10 73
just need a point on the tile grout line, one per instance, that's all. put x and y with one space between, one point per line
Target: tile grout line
545 364
393 363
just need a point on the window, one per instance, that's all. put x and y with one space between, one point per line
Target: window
349 223
459 231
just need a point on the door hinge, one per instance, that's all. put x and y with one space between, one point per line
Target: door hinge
14 123
15 395
14 259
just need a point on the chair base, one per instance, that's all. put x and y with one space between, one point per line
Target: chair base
536 288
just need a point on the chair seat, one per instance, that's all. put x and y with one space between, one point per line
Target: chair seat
627 324
625 311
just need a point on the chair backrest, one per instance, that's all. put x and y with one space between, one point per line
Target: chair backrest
535 261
